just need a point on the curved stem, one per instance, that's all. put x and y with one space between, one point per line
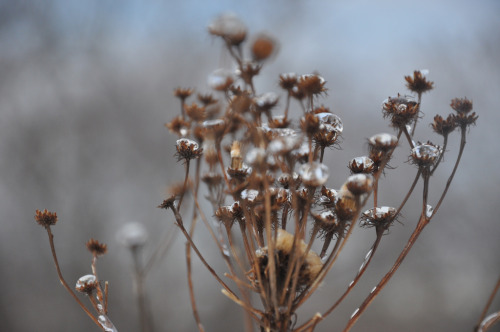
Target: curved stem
488 304
64 283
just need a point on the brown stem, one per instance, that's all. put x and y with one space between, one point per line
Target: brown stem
488 304
64 283
191 289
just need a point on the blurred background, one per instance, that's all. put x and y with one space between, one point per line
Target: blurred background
86 87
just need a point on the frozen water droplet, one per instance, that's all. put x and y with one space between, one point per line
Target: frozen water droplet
374 288
284 144
383 140
352 282
429 210
225 251
85 281
334 122
132 235
99 307
408 128
368 254
355 312
313 174
425 151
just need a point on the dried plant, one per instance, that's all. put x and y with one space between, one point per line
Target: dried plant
267 185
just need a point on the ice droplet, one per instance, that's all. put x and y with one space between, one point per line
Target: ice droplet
331 119
313 174
256 156
355 312
374 288
219 78
225 251
425 151
429 210
249 194
84 281
106 324
268 98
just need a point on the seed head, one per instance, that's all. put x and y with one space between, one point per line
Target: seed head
206 99
461 105
361 165
195 112
425 154
178 126
382 216
168 203
45 218
96 248
183 93
383 142
187 149
86 284
418 83
444 127
288 81
311 84
359 184
230 28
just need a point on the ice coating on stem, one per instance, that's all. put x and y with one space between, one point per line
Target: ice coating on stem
106 323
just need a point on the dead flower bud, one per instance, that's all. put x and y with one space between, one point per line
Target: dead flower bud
288 81
206 99
444 127
418 83
45 218
183 93
311 84
187 149
383 142
401 109
326 221
214 129
359 184
230 28
263 47
248 71
96 248
168 203
361 165
195 112
425 154
382 217
461 105
178 126
86 284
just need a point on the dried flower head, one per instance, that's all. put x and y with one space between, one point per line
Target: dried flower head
310 124
96 248
45 218
461 105
206 99
425 154
187 149
86 284
288 81
361 165
359 184
168 203
311 84
263 47
383 142
380 217
402 110
183 93
178 126
230 28
266 101
444 127
326 221
418 83
464 120
195 112
313 174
